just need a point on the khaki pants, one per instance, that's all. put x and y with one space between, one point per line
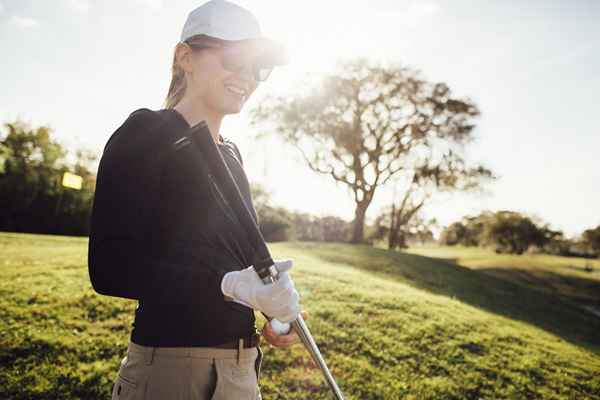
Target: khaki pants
190 373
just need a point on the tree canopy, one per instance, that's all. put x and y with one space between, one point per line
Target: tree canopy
367 123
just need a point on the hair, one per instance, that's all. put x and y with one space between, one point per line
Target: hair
178 85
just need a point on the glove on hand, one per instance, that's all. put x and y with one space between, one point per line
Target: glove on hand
278 299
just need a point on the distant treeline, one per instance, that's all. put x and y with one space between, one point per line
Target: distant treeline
32 198
281 224
512 232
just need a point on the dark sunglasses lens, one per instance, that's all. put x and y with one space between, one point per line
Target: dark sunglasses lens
233 60
263 73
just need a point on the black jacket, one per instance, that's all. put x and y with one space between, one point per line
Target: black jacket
160 233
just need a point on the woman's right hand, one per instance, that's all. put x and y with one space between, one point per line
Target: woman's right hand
278 299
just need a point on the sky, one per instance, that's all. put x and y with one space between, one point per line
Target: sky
532 68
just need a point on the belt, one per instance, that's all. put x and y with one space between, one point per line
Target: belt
247 342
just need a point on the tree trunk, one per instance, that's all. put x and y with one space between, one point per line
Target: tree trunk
401 241
391 233
359 223
392 240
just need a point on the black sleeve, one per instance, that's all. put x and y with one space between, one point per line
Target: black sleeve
123 256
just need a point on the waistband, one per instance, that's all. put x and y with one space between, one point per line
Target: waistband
198 352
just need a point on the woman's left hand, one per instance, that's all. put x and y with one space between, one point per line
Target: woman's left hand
281 340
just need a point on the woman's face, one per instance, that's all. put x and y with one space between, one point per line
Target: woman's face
220 90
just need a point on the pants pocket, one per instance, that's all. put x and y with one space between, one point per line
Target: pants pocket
236 381
124 388
258 362
128 379
257 365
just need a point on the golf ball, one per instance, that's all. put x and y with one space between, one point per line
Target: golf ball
279 327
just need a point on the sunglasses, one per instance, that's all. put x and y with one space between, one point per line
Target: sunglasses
236 58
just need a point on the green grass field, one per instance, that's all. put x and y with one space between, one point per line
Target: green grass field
433 323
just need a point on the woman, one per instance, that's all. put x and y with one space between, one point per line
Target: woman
161 234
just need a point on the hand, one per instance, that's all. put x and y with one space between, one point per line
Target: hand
281 341
278 299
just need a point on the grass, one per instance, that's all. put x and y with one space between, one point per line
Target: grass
565 277
444 325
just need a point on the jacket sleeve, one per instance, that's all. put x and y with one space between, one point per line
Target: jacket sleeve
123 255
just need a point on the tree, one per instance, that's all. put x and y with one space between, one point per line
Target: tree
334 229
469 231
278 223
453 234
305 227
365 124
554 242
404 215
511 232
274 222
29 174
260 196
591 239
32 198
507 232
400 229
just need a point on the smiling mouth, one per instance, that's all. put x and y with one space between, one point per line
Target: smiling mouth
237 91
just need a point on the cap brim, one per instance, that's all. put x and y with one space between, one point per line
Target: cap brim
271 51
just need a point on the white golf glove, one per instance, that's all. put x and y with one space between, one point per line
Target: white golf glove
278 299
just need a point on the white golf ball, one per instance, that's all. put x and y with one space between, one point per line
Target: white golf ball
280 328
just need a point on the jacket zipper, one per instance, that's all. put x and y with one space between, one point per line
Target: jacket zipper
222 201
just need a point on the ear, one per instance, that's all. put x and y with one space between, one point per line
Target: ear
183 55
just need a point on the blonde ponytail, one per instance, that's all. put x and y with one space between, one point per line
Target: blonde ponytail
177 86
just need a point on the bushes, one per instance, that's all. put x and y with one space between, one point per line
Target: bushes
275 223
280 224
506 232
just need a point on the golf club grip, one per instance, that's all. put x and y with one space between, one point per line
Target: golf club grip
216 165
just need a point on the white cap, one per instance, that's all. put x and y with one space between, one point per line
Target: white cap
227 21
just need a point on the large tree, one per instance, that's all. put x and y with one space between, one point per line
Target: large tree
366 123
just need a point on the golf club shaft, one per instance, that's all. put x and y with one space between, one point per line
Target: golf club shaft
309 343
211 160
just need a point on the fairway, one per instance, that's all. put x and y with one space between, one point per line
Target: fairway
441 324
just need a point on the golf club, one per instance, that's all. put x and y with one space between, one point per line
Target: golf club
215 166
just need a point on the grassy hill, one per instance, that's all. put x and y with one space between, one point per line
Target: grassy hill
445 325
573 279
